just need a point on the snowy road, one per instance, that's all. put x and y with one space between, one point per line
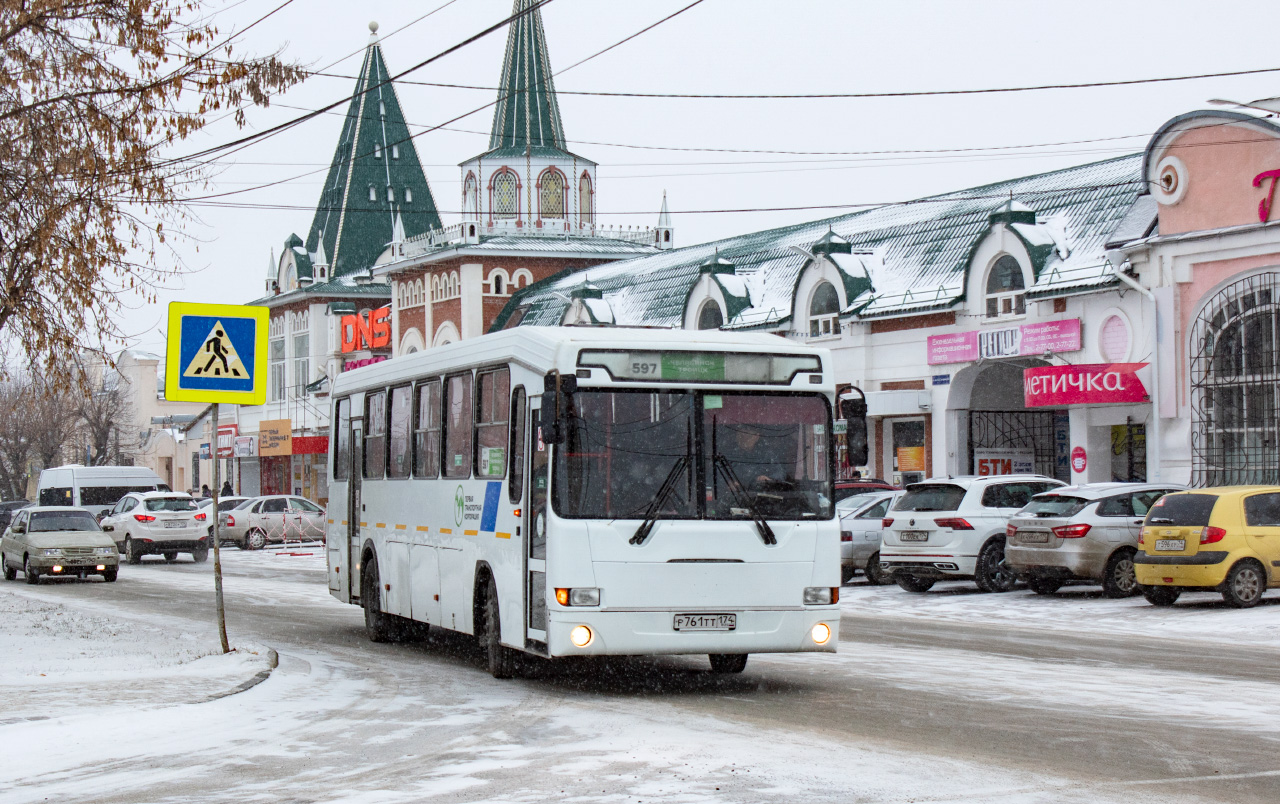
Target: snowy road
949 696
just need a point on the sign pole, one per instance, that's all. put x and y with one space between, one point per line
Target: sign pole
217 551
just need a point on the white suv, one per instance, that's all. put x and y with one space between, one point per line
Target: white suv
158 522
954 527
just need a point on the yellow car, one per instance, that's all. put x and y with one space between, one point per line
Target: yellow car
1221 539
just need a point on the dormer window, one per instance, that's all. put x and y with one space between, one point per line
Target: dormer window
824 311
710 317
395 151
391 196
377 151
1006 289
408 195
373 194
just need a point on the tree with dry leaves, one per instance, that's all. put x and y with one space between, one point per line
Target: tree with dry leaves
94 97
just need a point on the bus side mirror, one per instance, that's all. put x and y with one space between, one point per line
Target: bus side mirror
557 400
854 412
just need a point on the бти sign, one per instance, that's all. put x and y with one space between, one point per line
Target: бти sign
1085 384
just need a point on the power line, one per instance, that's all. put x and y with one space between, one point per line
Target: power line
926 93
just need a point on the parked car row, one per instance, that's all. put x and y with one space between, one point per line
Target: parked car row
1154 539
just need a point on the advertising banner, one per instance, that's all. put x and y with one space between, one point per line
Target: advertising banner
1084 384
1004 461
226 439
1019 341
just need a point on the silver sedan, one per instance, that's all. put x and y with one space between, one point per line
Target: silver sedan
861 520
274 518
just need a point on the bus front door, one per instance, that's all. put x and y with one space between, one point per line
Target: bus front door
535 525
354 507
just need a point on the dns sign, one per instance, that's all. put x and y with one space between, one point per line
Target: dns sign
373 332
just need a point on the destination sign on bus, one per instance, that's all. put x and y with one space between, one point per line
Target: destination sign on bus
689 366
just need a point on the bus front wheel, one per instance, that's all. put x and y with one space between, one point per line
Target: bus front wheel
728 662
501 659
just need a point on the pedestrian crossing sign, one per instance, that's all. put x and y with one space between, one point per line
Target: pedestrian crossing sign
216 353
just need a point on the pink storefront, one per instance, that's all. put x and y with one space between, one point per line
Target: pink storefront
1208 270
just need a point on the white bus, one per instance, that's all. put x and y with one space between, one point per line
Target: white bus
589 491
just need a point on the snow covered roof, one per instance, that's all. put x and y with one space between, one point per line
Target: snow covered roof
905 258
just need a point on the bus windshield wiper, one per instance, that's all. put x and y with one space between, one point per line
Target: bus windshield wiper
659 500
743 497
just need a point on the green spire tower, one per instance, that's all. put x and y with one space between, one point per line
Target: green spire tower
527 113
375 178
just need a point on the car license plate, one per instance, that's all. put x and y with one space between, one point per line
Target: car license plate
705 622
1171 544
914 536
175 523
1033 536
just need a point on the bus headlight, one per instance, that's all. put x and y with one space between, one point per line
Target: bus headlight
821 595
580 636
821 633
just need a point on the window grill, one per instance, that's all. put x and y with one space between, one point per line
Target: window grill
1017 429
505 197
1235 379
551 198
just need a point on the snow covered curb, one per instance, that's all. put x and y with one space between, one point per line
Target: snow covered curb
56 659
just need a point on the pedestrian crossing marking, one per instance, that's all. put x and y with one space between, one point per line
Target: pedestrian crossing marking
217 357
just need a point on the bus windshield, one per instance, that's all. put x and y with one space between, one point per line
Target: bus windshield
753 454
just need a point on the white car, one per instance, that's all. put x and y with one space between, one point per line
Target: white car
158 522
861 520
954 527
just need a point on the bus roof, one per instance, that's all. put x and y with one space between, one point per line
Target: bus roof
543 349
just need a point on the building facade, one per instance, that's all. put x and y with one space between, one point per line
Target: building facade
1110 321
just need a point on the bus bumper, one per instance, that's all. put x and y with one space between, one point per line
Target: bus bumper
631 633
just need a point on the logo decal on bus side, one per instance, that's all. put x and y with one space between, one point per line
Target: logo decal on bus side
459 505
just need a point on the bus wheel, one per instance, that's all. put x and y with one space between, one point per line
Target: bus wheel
728 662
501 660
377 625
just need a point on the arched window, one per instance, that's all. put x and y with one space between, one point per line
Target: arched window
551 194
710 317
824 311
470 201
586 200
377 151
506 195
417 291
408 195
373 194
498 285
1235 385
1006 289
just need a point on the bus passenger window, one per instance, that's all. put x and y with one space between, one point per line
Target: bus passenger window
426 442
375 434
493 392
458 415
342 440
399 434
515 486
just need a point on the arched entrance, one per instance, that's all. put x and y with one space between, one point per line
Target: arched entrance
1235 384
987 415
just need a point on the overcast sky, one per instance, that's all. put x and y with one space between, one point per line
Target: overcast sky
729 46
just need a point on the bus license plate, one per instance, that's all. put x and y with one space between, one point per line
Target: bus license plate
175 523
914 536
705 622
1171 544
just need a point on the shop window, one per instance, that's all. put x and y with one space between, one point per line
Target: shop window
506 195
426 434
493 394
586 200
515 457
458 417
1006 289
375 434
710 317
824 311
342 439
398 436
551 194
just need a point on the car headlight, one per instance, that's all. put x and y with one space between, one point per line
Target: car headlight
52 551
103 551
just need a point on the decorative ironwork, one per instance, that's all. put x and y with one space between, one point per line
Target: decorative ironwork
1235 379
1017 429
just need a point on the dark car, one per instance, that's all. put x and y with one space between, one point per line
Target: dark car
8 508
848 488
